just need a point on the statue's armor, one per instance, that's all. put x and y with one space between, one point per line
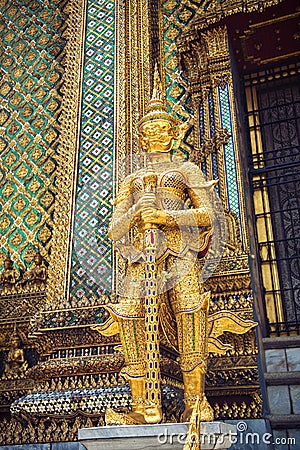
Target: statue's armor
174 194
172 182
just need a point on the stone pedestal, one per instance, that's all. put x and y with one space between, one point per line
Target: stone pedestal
168 436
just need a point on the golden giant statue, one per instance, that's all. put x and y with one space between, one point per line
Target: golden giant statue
163 224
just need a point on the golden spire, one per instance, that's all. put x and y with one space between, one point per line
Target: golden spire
157 93
157 108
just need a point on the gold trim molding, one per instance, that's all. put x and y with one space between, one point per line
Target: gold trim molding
67 155
213 11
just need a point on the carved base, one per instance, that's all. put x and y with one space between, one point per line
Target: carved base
170 436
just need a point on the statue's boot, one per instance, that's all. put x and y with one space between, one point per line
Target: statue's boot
137 414
141 411
137 386
194 381
153 414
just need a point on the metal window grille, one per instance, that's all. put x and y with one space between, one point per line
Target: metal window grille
273 111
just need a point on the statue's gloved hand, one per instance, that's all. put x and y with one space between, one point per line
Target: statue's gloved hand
154 216
145 202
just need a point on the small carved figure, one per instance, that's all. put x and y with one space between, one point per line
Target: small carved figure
15 364
9 276
36 276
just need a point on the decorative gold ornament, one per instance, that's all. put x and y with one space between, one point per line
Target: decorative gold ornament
193 435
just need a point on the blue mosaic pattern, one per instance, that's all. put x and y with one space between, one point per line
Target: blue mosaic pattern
92 253
215 170
211 114
176 16
201 123
229 156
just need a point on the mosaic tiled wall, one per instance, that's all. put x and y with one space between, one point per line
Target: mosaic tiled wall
31 49
92 259
226 116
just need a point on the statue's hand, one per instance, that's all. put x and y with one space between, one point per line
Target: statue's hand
145 202
154 216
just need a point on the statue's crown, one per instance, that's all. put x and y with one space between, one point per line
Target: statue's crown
157 108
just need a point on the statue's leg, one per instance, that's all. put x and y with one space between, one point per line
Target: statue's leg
132 334
190 306
130 315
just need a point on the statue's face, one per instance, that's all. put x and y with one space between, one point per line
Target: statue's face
38 260
157 136
15 342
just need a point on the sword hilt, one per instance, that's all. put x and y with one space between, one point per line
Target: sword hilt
150 186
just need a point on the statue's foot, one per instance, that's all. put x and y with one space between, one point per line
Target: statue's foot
153 414
187 414
132 418
150 415
206 411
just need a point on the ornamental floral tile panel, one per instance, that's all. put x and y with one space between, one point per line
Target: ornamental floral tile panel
91 273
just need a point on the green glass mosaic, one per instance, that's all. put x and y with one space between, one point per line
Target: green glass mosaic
30 33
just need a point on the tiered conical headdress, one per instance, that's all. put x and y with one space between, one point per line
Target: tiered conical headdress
157 108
